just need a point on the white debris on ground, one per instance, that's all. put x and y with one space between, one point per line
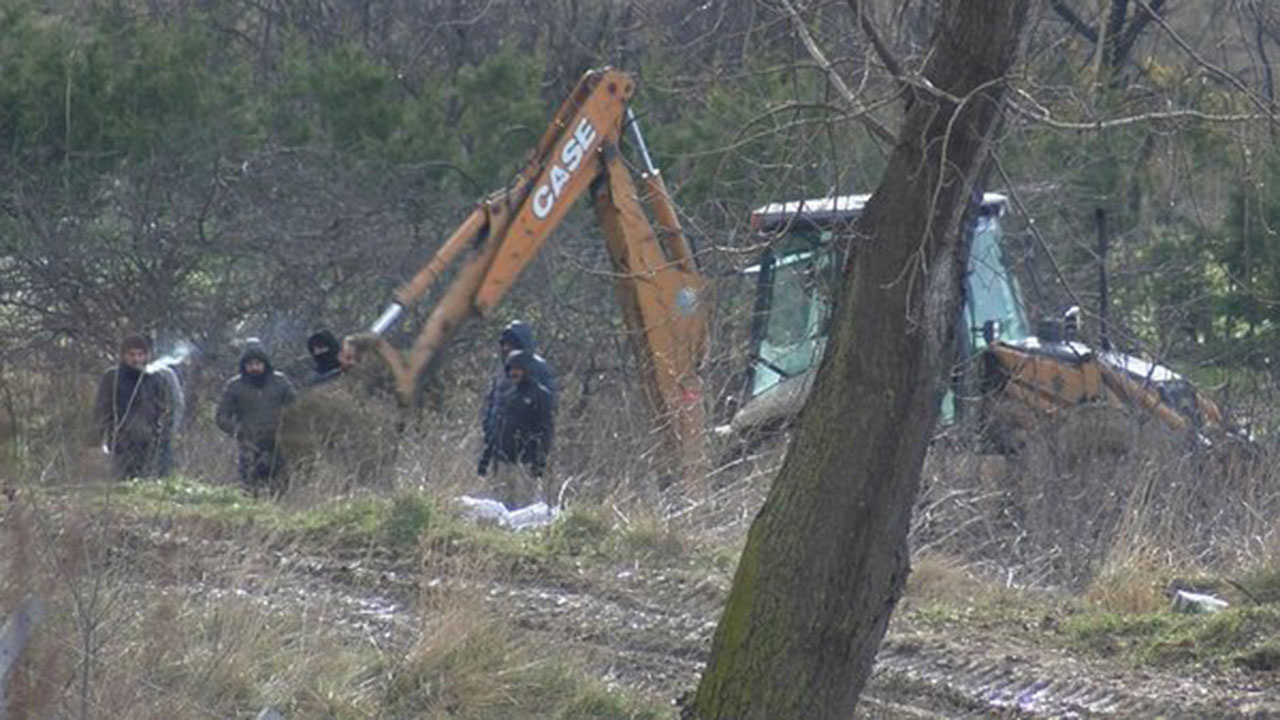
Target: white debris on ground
1192 603
533 516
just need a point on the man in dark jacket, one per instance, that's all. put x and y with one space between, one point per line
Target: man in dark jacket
324 349
522 439
515 336
249 411
132 410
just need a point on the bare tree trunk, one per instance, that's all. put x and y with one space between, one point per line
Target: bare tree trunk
827 557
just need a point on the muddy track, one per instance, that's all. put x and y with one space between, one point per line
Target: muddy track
650 631
651 634
1039 682
658 644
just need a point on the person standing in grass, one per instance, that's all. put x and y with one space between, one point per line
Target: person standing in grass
132 411
521 441
515 336
250 412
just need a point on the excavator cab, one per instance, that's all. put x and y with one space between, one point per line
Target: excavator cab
796 284
798 277
1005 375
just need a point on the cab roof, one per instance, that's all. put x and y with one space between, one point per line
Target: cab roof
836 208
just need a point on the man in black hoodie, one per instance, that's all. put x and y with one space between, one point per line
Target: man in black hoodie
131 410
515 336
249 411
521 441
324 349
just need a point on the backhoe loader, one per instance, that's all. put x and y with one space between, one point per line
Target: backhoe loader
662 296
658 285
1006 377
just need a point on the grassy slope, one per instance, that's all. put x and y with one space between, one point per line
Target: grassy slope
189 619
187 625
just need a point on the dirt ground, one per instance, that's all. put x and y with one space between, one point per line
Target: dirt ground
648 629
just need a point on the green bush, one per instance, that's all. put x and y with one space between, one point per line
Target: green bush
1241 636
580 531
408 518
1263 584
184 491
397 522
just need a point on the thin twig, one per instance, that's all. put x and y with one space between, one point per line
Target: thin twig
1043 118
1214 69
838 82
882 49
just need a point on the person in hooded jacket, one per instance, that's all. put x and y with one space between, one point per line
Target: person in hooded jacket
515 336
132 410
250 411
324 349
522 439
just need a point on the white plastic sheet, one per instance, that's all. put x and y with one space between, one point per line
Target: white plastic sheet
536 515
1192 603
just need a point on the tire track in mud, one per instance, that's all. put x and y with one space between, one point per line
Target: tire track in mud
1046 683
640 644
658 642
651 632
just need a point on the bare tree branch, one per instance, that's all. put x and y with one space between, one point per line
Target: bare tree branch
1131 33
838 82
1268 82
1016 197
1232 80
1042 117
1065 12
882 50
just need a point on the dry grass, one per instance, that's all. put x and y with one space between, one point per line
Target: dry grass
1051 516
469 663
130 632
1133 581
180 612
1261 582
1121 531
934 577
147 619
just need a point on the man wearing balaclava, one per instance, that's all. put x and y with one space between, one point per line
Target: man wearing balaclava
131 410
324 349
250 411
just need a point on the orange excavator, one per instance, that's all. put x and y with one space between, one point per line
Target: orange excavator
658 284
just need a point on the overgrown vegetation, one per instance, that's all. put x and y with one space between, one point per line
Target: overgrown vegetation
397 524
1103 623
471 665
207 172
1243 637
220 636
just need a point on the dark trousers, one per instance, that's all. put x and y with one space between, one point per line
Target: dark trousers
516 486
132 459
263 470
164 458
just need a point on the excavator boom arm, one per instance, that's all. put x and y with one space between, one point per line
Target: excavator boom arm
658 284
568 164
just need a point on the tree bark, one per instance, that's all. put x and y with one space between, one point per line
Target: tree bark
827 556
